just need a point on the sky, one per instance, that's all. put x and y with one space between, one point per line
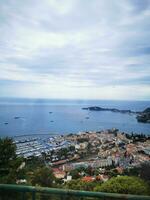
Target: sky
75 49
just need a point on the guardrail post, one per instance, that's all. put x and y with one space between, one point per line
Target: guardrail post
23 195
33 195
63 197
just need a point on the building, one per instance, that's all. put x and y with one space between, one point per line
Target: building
59 173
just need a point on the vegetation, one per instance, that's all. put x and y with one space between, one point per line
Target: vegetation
10 169
135 171
9 163
144 116
81 140
36 173
75 174
80 185
137 137
43 177
124 185
33 163
145 172
142 171
81 171
63 153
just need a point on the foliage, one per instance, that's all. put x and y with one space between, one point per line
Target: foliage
136 137
81 140
89 171
72 148
9 167
80 185
145 172
7 149
75 173
63 153
112 173
33 163
9 163
43 177
132 171
124 185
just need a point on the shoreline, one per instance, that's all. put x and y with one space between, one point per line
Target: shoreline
73 133
84 147
70 119
78 133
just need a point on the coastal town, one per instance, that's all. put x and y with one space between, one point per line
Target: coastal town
95 150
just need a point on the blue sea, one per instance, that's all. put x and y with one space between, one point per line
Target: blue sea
66 116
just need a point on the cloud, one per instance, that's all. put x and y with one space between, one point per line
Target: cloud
60 49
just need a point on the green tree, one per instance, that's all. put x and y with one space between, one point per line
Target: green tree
33 163
75 174
63 153
43 177
80 185
135 171
72 148
124 185
9 167
89 170
9 163
145 172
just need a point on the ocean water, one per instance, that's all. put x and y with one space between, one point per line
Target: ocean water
67 116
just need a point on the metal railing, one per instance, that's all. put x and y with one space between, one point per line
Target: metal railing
62 193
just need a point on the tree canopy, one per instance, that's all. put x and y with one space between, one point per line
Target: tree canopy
43 177
145 172
80 185
124 185
9 163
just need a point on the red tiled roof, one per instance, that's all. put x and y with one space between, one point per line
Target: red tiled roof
88 179
59 162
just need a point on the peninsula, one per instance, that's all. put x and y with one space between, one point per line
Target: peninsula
142 116
97 108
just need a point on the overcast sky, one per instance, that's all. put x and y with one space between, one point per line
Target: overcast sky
82 49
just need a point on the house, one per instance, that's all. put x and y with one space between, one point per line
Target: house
58 173
81 146
60 162
88 179
102 177
67 167
119 170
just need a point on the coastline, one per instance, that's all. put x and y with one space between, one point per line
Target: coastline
69 118
88 148
52 134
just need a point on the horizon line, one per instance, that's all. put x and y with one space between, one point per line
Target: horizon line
69 99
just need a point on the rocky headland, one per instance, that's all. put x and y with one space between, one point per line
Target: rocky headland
142 116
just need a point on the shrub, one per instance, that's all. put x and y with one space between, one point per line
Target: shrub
124 185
